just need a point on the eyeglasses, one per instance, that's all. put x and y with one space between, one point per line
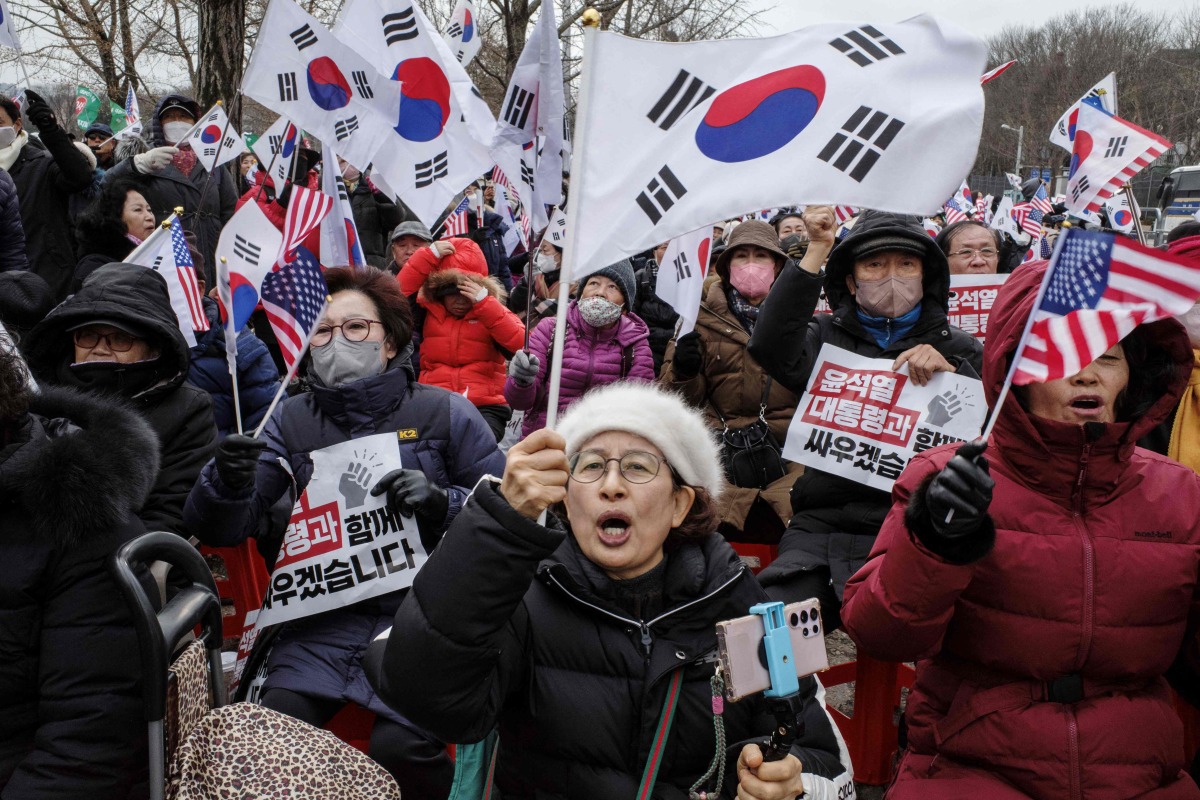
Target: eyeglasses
985 252
589 466
117 341
353 330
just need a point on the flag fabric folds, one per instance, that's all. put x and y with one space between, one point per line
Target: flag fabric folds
1098 288
87 107
214 141
166 252
340 246
1063 133
529 134
306 208
681 275
462 32
992 74
687 133
246 251
131 118
439 141
276 149
293 297
1107 152
8 28
456 221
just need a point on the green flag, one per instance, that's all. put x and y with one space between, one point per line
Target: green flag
87 107
118 117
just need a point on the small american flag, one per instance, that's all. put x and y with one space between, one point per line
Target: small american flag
306 208
843 213
1041 201
456 223
1098 288
293 297
992 74
1029 218
953 214
187 276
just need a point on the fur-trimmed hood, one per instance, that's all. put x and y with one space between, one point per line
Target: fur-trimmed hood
451 277
80 463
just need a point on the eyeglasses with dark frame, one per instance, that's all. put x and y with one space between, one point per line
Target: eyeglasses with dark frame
636 466
118 341
353 330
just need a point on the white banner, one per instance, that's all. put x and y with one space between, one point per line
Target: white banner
860 420
971 299
681 275
342 544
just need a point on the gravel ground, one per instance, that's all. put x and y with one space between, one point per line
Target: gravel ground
840 650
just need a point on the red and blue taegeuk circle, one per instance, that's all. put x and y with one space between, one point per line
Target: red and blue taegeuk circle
1122 218
468 26
326 84
244 297
210 134
761 115
289 141
1081 149
424 99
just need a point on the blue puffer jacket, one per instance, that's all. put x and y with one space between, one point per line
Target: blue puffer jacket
12 233
320 655
258 377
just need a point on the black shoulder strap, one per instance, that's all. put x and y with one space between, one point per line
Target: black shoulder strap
626 360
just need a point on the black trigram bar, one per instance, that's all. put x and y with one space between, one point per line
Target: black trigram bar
399 27
527 175
273 142
516 111
685 93
660 194
1080 187
343 195
1116 146
362 84
861 142
454 31
287 86
344 127
246 250
866 45
210 151
683 270
303 37
429 171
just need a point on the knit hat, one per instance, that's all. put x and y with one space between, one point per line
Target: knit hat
620 273
411 228
660 417
752 232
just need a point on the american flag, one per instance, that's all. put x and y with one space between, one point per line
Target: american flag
1041 201
187 276
843 213
1029 218
456 222
992 74
1098 288
293 297
953 214
981 208
306 208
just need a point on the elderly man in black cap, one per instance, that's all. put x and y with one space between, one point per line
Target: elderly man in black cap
888 286
407 238
99 139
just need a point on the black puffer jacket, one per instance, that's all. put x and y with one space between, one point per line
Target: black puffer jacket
12 234
179 413
71 720
835 520
506 625
375 216
203 214
46 174
656 312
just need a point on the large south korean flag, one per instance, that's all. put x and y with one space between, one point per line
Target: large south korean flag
884 116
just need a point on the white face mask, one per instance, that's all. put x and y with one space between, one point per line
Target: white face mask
8 135
543 263
174 131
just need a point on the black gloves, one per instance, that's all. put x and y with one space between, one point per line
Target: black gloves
39 112
949 513
237 461
686 362
409 490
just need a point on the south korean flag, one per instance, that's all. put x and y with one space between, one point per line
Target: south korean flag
276 150
678 134
438 141
213 139
681 275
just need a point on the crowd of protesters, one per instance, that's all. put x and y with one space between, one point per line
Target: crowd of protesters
1046 581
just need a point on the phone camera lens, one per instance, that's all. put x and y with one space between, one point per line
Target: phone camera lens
804 616
795 620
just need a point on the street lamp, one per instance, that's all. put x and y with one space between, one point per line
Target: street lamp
1020 131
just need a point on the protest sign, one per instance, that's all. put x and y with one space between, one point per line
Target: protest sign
860 420
343 545
971 298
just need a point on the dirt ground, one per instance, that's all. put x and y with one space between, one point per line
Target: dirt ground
840 650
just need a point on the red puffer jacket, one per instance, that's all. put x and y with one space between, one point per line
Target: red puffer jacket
1040 665
463 355
466 256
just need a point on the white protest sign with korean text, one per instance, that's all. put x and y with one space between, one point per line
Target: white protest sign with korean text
860 420
343 545
971 298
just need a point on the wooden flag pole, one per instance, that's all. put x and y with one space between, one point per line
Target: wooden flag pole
591 24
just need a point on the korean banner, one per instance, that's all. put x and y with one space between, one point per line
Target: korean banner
342 544
971 298
860 420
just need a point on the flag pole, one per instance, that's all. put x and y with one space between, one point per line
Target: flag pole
271 164
208 180
226 295
1136 212
153 238
591 25
287 379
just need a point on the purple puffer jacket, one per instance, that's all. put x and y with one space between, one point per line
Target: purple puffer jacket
591 358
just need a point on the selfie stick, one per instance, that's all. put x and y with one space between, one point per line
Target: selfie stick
784 693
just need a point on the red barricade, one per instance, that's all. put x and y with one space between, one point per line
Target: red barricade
241 578
871 732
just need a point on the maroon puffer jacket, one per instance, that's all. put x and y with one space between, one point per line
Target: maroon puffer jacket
591 358
1087 597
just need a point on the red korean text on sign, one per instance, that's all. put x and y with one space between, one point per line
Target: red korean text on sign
311 532
861 402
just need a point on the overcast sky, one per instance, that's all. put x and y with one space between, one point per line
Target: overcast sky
981 17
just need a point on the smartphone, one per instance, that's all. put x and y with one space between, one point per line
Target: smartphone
743 656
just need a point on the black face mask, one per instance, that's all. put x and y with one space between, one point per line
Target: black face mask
127 380
789 243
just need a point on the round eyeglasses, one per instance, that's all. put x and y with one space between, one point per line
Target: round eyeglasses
588 466
353 330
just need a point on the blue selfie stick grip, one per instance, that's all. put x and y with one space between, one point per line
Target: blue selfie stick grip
777 643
